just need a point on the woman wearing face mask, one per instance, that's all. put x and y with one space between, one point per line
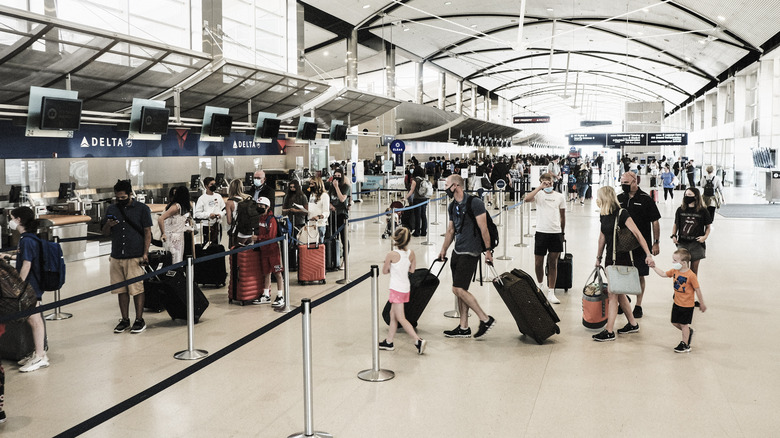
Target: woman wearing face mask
692 227
235 195
28 264
295 204
175 222
610 210
340 202
319 205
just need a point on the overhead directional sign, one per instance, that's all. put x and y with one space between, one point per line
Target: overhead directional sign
587 139
627 139
531 119
667 138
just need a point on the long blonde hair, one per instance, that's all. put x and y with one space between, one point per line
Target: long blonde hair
236 190
319 188
607 201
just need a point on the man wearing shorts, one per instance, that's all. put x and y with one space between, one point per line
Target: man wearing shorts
645 214
550 224
270 259
130 224
467 226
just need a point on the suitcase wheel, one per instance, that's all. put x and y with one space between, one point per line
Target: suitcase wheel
557 330
322 281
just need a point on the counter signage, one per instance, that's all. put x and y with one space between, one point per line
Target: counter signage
667 138
587 139
530 119
624 139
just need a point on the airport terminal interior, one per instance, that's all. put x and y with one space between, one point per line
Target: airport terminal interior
165 94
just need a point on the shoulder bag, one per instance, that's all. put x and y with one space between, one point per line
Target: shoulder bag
595 285
625 240
622 279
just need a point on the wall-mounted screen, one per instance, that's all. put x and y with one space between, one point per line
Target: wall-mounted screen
270 128
308 131
154 120
220 125
60 114
339 133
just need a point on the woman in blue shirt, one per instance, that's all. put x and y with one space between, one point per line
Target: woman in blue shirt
28 264
668 177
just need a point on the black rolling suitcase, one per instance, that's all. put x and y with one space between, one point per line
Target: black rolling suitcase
331 251
172 287
152 298
423 284
532 312
565 270
212 271
17 341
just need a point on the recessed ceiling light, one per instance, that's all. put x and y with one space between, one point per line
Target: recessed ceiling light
447 3
473 25
645 10
366 6
721 18
550 9
687 58
325 53
406 29
640 33
702 41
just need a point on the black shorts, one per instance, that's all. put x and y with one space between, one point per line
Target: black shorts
639 262
548 242
682 315
463 267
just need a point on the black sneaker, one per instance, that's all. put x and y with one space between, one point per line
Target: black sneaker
458 332
138 326
637 311
123 325
384 345
484 327
682 347
604 336
421 346
2 417
628 328
690 335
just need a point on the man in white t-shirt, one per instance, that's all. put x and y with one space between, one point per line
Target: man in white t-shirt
550 225
554 169
210 206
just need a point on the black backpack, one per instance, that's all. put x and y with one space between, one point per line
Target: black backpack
709 187
247 217
492 228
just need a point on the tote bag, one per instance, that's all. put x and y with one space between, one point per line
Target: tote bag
622 279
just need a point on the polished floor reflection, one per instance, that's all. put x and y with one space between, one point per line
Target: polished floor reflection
502 386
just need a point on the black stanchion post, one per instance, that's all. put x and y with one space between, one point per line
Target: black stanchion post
190 353
375 374
308 403
57 315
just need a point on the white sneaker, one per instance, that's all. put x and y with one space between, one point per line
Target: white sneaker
35 363
278 302
26 359
552 298
264 299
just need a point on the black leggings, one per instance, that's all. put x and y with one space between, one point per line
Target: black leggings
668 192
712 213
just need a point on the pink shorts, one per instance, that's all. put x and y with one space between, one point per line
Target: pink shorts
398 297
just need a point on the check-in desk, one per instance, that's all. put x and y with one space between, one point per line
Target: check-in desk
67 226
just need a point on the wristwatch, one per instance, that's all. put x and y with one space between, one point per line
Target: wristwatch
656 242
672 236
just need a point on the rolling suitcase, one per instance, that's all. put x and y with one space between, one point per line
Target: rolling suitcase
532 312
17 341
331 251
423 284
172 286
246 280
152 299
311 269
565 270
212 271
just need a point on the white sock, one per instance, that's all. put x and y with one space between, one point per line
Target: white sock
280 293
266 292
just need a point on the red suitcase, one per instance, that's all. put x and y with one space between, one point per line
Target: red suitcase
246 280
311 266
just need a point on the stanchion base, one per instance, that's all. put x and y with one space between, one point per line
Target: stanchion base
435 223
286 309
191 355
504 258
521 245
528 235
343 281
57 316
453 314
376 376
317 434
428 243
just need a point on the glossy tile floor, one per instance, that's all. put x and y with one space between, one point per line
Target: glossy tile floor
502 386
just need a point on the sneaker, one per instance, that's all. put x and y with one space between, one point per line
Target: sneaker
138 326
458 332
637 311
682 347
421 346
35 363
603 336
26 359
123 325
388 346
278 302
2 417
264 299
552 298
690 335
628 328
485 327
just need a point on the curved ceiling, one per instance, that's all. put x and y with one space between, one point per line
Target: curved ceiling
570 53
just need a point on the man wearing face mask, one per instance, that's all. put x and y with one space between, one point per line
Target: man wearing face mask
645 214
260 189
210 206
340 201
550 226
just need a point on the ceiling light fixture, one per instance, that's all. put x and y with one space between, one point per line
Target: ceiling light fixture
366 6
473 25
721 18
550 9
406 29
447 3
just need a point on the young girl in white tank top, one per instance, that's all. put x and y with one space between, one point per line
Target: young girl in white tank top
399 263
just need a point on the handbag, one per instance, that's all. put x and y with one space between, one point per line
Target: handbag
309 234
595 285
622 279
625 241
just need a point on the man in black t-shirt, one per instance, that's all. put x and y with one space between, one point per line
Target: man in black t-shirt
645 214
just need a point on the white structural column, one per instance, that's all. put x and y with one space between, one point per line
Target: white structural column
389 70
473 101
459 97
418 82
352 59
442 90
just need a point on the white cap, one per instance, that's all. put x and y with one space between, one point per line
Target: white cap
263 201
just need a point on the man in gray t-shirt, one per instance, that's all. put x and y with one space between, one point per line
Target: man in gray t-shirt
467 225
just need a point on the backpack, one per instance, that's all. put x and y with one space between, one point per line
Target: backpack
52 265
247 217
424 188
709 187
491 226
282 227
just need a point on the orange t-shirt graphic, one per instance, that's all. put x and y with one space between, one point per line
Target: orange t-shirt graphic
685 283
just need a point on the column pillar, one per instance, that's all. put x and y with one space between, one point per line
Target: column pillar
442 90
352 59
459 97
389 70
418 82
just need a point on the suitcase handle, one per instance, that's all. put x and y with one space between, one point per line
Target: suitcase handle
492 271
443 262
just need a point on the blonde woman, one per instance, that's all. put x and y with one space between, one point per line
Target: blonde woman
610 210
319 205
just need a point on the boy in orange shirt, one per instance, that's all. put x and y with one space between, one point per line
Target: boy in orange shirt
685 284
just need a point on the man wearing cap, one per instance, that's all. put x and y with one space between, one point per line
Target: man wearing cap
645 215
270 258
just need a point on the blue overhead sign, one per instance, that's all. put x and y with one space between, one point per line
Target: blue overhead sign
397 147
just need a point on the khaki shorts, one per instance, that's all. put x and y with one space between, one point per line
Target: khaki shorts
125 269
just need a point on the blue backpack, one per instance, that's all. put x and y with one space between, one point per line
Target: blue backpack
52 265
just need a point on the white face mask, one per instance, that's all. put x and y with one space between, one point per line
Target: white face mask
677 266
12 224
548 190
258 182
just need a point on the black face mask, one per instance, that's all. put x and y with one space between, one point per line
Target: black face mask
626 187
689 199
123 202
213 188
261 210
449 192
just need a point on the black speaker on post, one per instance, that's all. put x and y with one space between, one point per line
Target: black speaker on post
339 133
270 128
60 114
308 131
220 125
154 120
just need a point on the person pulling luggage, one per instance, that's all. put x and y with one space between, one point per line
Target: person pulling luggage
270 258
467 226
